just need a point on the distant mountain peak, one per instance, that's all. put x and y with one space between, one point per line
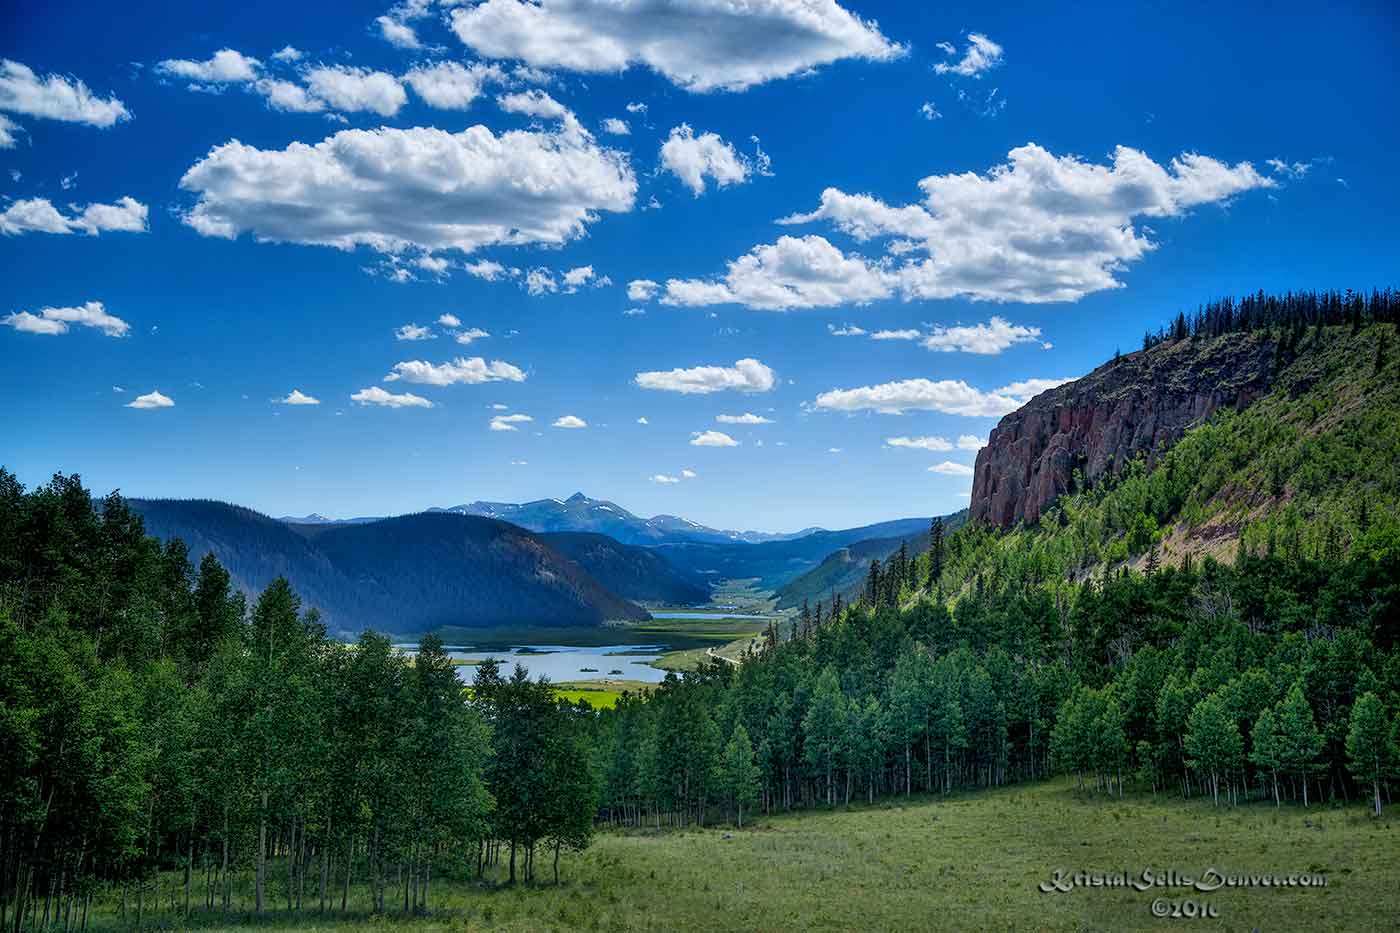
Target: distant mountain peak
576 497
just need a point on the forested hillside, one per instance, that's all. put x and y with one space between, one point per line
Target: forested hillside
844 571
636 573
414 573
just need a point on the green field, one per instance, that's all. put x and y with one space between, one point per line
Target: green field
973 861
600 694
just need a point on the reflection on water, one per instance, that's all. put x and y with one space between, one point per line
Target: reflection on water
668 614
563 663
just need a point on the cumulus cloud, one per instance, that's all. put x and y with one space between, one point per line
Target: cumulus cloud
845 330
355 89
949 468
920 443
509 422
579 276
692 158
473 371
950 396
452 86
54 321
38 215
10 131
470 334
225 66
616 127
414 332
643 420
449 320
793 273
699 45
747 417
55 97
982 55
747 375
906 334
929 112
540 282
971 442
641 290
986 339
665 479
289 97
425 188
297 397
152 399
287 53
688 474
533 103
374 395
398 34
1038 228
572 422
712 439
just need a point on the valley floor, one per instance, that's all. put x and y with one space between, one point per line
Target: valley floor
973 861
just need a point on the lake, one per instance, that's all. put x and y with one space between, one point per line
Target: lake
563 663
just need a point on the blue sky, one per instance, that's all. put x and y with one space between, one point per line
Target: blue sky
217 231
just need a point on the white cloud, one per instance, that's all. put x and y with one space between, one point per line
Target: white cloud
971 442
833 450
700 45
540 281
747 417
982 55
665 479
806 272
288 54
355 89
949 468
635 312
688 474
452 86
38 215
929 112
940 444
576 278
118 389
449 320
1039 228
374 395
286 96
616 127
153 399
393 189
643 420
987 339
642 290
54 321
570 421
691 158
1293 170
414 332
470 334
712 439
747 375
10 131
226 66
473 371
845 330
485 269
520 463
907 334
533 103
297 397
55 97
635 107
951 396
399 35
509 422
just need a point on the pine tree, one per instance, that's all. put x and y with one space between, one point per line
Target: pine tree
1299 742
935 554
1371 745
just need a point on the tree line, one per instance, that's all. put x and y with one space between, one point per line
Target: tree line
153 725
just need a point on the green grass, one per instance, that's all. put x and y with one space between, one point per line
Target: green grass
600 694
970 862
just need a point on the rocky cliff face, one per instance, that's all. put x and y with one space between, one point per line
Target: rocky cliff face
1140 403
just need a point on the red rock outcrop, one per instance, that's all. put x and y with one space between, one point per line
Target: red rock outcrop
1139 403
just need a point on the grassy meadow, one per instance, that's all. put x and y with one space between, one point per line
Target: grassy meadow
972 861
